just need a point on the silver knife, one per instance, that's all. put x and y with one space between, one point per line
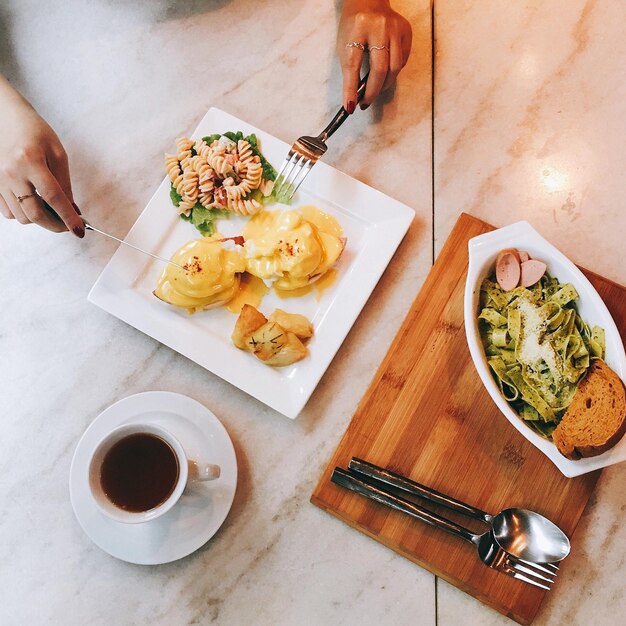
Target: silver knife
88 226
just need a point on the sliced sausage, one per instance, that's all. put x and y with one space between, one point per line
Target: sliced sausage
523 256
513 251
532 271
508 269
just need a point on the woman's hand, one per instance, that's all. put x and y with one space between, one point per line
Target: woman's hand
32 158
371 23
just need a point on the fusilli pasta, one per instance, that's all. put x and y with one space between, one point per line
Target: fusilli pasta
222 174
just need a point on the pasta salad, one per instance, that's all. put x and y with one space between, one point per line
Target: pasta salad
218 175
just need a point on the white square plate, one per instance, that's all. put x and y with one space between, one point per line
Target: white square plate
373 223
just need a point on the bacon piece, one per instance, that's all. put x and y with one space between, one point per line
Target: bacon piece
238 240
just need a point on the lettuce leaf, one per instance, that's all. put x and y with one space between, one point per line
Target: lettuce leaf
209 139
234 136
175 197
265 200
204 219
269 172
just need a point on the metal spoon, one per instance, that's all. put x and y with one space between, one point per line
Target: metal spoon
528 535
522 533
490 553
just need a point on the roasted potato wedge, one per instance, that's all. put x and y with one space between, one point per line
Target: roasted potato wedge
293 323
266 341
291 351
249 320
270 341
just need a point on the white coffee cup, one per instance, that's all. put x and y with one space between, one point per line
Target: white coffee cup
189 472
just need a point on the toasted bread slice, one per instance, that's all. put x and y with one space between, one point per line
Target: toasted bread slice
596 418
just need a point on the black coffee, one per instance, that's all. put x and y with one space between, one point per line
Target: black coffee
139 472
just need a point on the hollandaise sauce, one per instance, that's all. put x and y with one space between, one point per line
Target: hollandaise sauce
324 222
292 248
210 275
320 286
251 291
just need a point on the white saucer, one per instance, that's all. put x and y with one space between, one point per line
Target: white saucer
200 511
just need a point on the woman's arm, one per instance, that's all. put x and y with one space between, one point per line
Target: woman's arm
32 158
387 37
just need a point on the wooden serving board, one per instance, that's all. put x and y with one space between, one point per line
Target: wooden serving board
427 415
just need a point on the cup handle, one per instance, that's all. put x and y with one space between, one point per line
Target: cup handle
199 472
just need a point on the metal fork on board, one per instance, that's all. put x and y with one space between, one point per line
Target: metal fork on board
489 552
306 151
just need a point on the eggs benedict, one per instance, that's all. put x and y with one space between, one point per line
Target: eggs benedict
209 276
292 249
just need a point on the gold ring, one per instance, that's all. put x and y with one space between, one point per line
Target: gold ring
28 195
378 47
356 44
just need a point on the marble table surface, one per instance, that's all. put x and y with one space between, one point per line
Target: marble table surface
526 120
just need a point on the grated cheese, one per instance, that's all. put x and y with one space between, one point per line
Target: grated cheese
532 350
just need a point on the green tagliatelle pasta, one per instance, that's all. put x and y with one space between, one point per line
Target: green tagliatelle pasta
537 346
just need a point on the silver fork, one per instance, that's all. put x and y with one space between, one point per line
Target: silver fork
306 151
522 533
488 550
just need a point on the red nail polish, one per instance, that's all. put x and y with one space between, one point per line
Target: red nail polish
78 231
364 107
351 107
